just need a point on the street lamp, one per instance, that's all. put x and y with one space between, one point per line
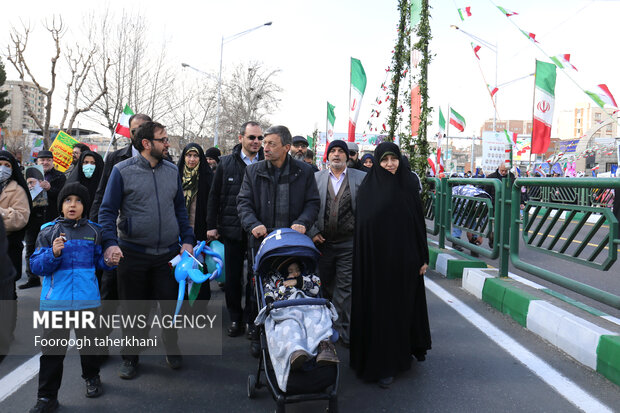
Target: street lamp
493 48
188 66
219 81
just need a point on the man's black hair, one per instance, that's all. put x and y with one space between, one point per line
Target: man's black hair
83 147
245 126
282 132
145 131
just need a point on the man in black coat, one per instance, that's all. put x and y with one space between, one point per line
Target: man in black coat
223 220
53 183
279 191
500 173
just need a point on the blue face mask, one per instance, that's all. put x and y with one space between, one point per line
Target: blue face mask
5 173
88 170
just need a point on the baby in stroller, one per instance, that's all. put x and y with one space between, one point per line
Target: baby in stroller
295 334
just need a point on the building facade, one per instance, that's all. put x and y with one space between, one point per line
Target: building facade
19 119
520 127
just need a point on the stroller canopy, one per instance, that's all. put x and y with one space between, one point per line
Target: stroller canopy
286 242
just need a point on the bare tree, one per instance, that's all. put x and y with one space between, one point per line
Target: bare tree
138 74
79 60
15 142
250 94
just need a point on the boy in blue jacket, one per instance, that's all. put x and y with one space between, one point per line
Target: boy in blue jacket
68 251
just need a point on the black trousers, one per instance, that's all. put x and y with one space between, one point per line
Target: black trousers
142 278
235 254
32 231
109 296
52 358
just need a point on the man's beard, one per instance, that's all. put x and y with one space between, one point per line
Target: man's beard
351 163
299 156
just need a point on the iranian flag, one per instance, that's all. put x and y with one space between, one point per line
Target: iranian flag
507 12
476 48
358 86
511 137
457 120
329 135
122 127
544 101
442 128
601 95
466 12
562 61
530 36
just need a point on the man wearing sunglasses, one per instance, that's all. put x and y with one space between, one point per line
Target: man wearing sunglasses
223 222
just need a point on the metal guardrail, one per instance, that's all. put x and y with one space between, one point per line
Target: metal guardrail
430 206
555 222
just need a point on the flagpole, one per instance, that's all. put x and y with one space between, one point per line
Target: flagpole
350 72
447 135
533 103
108 148
327 126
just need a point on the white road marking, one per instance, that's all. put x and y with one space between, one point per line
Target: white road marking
565 387
10 383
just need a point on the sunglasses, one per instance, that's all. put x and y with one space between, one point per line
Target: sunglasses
352 153
252 137
162 140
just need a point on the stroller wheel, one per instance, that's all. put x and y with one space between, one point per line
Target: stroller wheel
251 386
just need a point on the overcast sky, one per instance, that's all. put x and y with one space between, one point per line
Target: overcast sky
312 42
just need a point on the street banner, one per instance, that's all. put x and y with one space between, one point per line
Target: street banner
358 87
544 101
62 148
493 150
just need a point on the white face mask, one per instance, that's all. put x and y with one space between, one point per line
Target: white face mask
5 173
88 170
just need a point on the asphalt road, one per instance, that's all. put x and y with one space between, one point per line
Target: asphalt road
466 371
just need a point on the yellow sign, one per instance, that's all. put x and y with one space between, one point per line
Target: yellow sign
62 148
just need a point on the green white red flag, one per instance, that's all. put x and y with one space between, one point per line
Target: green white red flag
530 36
563 61
442 128
463 13
457 120
507 12
476 48
329 134
122 127
602 96
358 87
511 137
544 101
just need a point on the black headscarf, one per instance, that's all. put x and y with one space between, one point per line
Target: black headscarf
77 175
389 319
205 177
16 174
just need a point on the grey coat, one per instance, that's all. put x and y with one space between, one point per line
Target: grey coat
355 178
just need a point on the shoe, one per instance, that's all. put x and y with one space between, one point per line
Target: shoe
45 405
236 329
327 353
252 332
386 382
298 358
128 370
457 247
174 362
30 284
93 387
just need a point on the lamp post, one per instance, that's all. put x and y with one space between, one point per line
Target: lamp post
219 81
494 49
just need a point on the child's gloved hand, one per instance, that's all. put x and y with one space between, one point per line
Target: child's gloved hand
58 245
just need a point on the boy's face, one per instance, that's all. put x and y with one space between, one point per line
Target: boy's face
293 270
72 207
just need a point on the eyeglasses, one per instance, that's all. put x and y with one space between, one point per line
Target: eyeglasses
252 137
300 145
162 140
352 153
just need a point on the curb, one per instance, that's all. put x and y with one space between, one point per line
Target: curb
450 266
591 345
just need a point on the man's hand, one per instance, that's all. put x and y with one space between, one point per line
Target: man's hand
58 245
423 269
318 239
259 231
299 228
112 255
187 247
212 234
45 185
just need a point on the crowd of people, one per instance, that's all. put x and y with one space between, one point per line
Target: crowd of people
116 224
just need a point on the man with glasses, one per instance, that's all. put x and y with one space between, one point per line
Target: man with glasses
354 161
145 194
300 147
223 222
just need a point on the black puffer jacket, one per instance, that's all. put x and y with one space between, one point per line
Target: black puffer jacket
222 205
255 201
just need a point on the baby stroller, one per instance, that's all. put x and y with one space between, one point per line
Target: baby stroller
313 382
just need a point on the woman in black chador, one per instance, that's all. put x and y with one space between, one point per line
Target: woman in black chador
389 318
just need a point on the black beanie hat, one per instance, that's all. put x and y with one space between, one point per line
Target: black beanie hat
340 144
74 188
213 153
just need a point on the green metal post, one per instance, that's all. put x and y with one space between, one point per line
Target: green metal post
441 216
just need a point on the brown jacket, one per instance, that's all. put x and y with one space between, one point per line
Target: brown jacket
14 207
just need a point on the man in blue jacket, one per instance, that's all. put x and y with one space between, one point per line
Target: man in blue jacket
146 195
